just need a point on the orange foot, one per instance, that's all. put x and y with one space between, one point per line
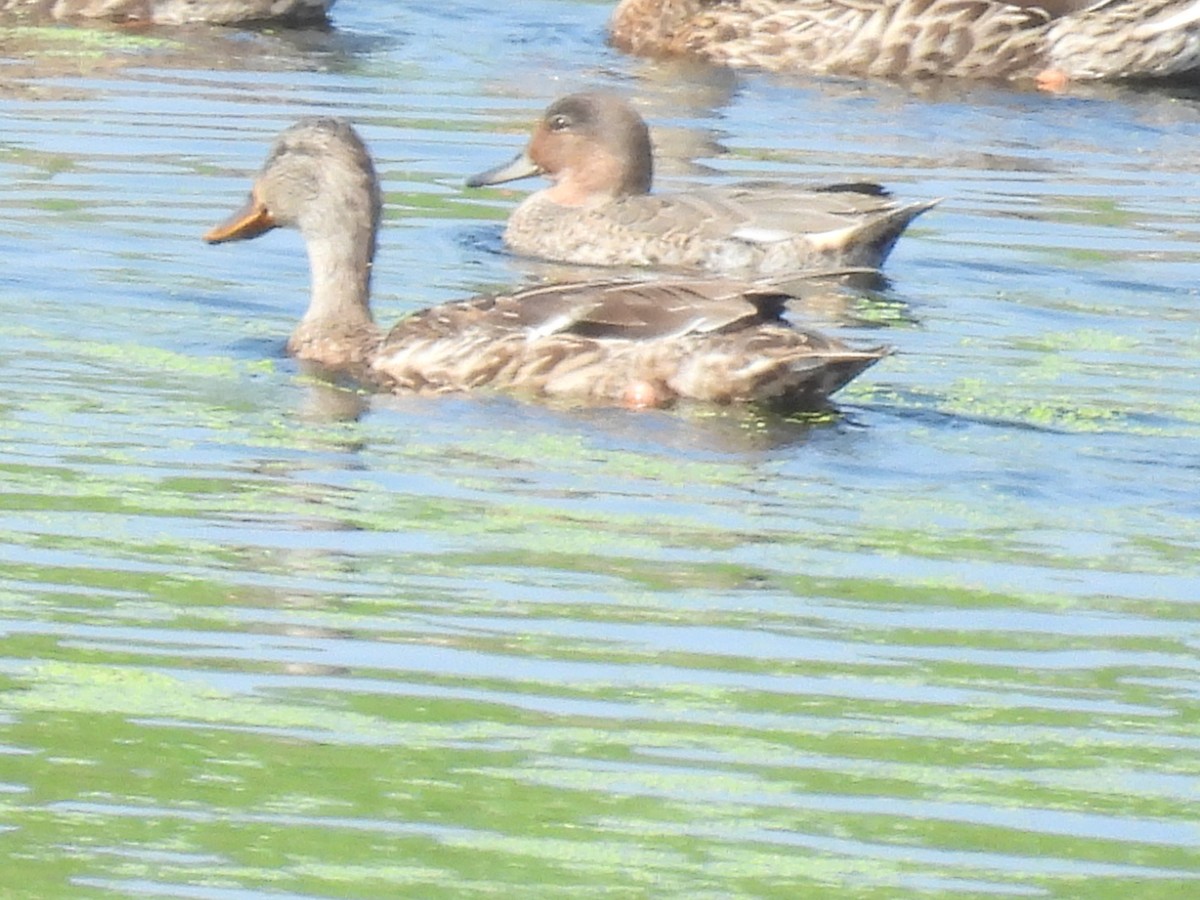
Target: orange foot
1053 80
643 395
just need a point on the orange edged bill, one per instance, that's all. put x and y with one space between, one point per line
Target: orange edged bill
250 221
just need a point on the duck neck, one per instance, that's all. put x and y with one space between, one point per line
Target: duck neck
340 263
337 330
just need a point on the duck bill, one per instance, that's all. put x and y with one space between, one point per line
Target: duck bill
520 167
248 222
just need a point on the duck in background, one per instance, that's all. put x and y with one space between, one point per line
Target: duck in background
608 342
595 149
1049 41
181 12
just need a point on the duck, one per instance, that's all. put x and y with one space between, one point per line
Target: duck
1048 42
182 12
608 342
595 149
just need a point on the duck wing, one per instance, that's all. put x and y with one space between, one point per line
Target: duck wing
612 310
758 212
668 309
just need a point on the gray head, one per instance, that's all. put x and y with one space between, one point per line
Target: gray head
319 179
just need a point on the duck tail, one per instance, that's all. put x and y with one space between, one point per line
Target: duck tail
868 243
803 378
866 188
813 380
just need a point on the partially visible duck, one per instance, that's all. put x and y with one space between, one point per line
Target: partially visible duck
182 12
595 149
1051 41
613 342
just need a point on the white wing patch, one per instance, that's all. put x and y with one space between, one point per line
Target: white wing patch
833 240
551 326
754 235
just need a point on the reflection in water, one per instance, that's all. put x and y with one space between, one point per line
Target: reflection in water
324 400
95 50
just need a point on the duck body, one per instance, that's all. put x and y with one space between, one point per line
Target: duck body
182 12
990 39
612 342
599 210
748 230
624 343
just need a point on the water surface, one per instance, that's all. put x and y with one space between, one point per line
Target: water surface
266 637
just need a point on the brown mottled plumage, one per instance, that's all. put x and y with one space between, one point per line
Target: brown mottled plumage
1051 40
609 342
181 12
595 149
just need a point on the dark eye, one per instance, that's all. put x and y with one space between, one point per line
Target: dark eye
559 122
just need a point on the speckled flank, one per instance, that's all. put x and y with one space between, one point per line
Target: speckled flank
1078 39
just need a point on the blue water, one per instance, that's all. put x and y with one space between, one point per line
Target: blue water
261 636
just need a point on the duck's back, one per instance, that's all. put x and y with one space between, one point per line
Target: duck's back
1127 39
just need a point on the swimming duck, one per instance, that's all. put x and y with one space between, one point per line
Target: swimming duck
614 342
182 12
1052 41
595 149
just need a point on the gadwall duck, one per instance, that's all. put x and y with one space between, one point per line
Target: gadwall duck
182 12
1052 41
595 149
607 342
